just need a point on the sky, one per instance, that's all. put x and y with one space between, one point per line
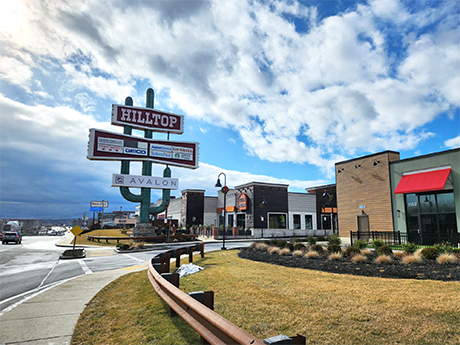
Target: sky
273 91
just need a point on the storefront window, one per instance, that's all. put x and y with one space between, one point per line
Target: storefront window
411 203
241 221
277 221
427 203
308 222
446 202
297 221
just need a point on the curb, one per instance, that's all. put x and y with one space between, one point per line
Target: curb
68 254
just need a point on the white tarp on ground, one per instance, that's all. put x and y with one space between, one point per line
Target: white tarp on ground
185 270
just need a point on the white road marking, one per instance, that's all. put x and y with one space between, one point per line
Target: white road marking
84 266
133 257
51 271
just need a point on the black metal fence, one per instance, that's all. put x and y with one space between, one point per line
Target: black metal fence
388 237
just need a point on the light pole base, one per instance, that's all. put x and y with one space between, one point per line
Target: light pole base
223 248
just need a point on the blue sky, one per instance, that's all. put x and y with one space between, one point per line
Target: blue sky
274 91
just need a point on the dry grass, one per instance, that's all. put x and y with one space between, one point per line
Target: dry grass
412 259
298 253
383 259
366 251
312 254
359 258
254 244
447 259
266 300
285 251
136 245
262 246
399 254
335 256
418 252
81 239
274 250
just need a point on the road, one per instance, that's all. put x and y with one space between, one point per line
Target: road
34 266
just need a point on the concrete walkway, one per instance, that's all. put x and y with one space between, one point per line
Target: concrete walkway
50 316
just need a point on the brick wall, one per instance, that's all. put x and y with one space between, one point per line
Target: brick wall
365 182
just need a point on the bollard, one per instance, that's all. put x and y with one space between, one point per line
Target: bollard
202 249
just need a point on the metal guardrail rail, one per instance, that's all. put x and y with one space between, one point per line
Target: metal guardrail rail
143 238
214 328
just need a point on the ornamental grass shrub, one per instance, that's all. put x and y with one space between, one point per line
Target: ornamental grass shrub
352 251
335 256
377 243
300 246
360 244
366 251
334 248
334 239
136 245
298 253
409 247
317 248
281 244
311 240
312 254
399 254
253 244
290 246
359 258
447 259
285 252
274 250
412 259
262 247
383 259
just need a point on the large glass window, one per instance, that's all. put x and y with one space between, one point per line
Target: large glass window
241 220
277 221
297 221
431 217
308 221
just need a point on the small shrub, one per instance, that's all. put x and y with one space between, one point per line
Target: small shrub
285 251
444 247
298 253
430 253
123 246
360 244
366 251
311 240
377 243
281 244
273 243
383 259
352 251
409 247
385 250
456 252
359 258
412 259
274 250
334 239
321 238
447 259
312 254
297 240
317 248
137 245
253 245
300 246
334 248
335 256
290 246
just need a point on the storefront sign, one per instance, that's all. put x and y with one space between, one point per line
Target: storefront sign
100 204
146 118
242 202
142 181
104 145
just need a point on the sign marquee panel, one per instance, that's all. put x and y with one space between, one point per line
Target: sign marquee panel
143 181
104 145
147 118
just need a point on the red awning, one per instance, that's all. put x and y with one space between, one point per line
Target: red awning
423 182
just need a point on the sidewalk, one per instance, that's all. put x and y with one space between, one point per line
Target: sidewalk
50 317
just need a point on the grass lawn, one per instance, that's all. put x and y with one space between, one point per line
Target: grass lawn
81 239
266 300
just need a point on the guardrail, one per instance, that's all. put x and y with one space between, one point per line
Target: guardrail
198 311
142 238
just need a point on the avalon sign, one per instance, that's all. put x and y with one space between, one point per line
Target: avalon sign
101 204
146 118
142 181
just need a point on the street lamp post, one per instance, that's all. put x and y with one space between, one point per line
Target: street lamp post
262 205
224 191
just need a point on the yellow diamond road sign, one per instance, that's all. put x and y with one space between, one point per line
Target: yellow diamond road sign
76 230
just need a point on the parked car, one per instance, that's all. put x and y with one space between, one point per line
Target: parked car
11 237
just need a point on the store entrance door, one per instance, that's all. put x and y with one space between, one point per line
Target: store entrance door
363 223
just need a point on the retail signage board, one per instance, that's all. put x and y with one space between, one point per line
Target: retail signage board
142 181
146 118
95 209
100 204
104 145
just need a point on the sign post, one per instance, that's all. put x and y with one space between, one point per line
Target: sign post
76 230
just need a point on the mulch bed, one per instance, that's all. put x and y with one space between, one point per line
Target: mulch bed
429 269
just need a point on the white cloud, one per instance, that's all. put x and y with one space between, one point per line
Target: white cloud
453 142
15 72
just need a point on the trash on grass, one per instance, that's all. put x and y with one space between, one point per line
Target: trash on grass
185 270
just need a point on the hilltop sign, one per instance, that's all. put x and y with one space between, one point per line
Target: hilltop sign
146 118
104 145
